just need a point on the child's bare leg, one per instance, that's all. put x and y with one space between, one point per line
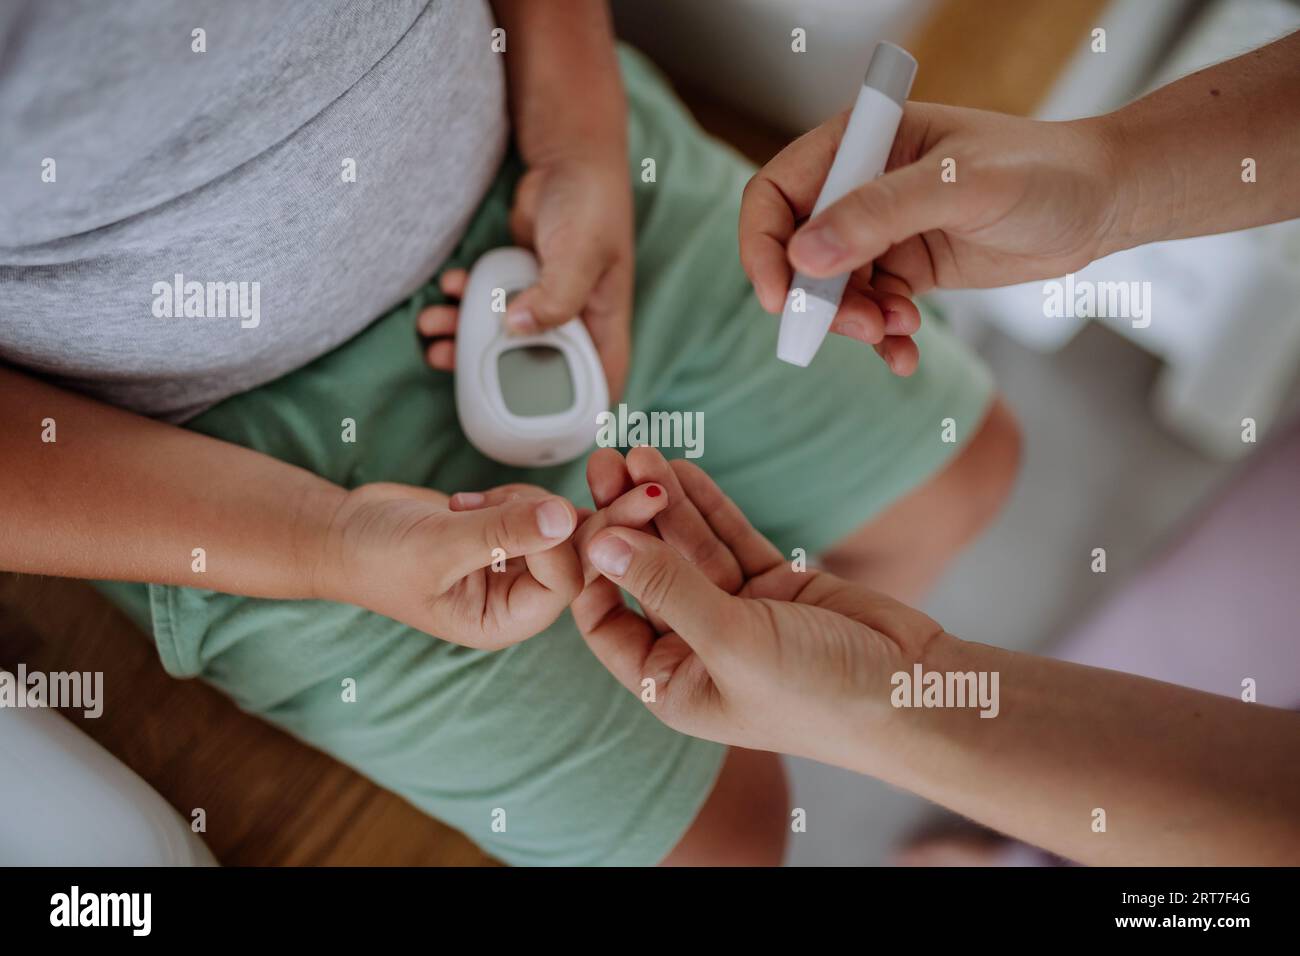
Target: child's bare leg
746 818
904 549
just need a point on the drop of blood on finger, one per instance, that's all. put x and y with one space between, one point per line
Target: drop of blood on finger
653 491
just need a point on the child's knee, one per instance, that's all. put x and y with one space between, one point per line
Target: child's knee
986 471
906 547
746 818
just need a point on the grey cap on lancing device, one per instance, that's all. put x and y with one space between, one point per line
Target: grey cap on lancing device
811 303
891 71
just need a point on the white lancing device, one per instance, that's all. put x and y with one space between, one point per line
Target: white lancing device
862 156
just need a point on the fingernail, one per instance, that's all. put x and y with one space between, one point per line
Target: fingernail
467 499
817 247
610 555
554 520
521 322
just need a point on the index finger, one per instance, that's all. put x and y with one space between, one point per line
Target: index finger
635 508
780 195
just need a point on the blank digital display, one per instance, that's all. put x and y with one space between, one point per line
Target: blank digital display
535 381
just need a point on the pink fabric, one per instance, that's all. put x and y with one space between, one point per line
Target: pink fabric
1223 603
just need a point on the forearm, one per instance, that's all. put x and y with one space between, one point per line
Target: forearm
122 497
564 82
1183 777
1178 153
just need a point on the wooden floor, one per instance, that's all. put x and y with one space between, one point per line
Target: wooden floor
270 800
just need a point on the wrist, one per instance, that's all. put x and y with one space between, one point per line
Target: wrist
1141 206
590 141
566 90
315 529
887 730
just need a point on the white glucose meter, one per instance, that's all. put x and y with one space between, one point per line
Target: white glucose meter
523 400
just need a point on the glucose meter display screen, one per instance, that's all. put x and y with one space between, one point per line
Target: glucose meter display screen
535 381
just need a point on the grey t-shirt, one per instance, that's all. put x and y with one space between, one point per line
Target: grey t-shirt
178 226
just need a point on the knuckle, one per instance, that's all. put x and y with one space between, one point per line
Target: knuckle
567 590
709 555
443 527
657 580
499 532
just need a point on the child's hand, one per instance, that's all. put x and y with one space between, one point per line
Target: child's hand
780 662
485 569
411 554
575 213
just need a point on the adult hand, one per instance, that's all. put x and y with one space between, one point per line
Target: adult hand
781 662
575 213
1028 200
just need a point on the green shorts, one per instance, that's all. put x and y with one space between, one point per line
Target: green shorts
539 737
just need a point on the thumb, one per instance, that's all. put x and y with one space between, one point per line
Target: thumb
515 528
564 285
666 585
861 226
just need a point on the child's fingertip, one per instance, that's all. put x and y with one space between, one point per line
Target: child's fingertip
642 457
607 476
452 282
437 320
441 355
637 506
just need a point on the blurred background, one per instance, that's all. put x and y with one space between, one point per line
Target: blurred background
1133 437
1133 443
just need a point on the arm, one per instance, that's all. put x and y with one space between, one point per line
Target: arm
1184 777
803 663
122 497
565 89
573 206
1027 199
1178 151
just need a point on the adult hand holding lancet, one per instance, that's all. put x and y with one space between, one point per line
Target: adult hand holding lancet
969 199
863 152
